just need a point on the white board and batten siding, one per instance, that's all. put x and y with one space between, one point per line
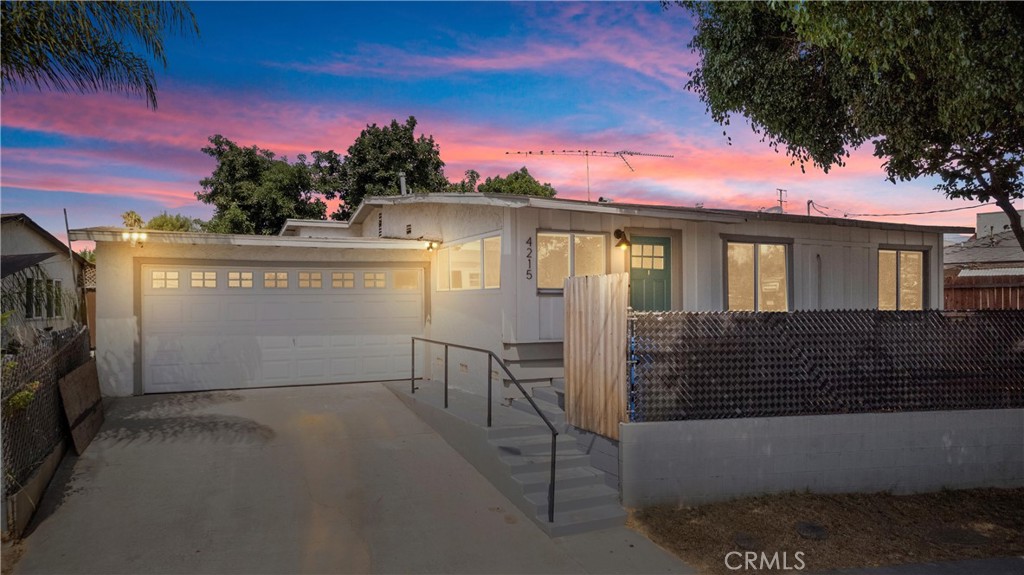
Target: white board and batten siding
211 335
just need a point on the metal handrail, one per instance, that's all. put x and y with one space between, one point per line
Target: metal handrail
491 358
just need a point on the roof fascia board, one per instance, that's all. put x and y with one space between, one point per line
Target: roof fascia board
46 236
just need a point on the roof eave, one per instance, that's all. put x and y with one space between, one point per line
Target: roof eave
194 238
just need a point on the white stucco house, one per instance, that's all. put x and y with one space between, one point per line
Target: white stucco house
327 302
40 281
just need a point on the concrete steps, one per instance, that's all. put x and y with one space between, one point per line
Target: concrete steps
515 455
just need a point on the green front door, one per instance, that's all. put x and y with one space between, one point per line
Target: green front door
650 274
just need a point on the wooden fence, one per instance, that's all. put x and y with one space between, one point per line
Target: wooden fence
980 292
595 348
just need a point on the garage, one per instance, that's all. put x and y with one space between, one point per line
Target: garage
219 327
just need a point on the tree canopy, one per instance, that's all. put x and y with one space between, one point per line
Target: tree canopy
131 219
519 183
935 87
174 223
253 191
379 154
88 46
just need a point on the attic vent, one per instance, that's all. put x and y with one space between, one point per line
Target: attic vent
380 224
408 229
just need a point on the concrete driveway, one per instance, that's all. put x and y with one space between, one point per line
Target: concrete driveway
330 479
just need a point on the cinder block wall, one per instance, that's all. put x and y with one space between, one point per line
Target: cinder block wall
695 462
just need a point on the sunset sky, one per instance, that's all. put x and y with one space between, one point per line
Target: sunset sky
482 78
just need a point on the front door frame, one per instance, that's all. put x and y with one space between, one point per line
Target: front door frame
654 239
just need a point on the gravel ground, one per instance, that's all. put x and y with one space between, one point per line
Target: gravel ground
840 531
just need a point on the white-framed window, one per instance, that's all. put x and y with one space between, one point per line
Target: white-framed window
343 280
311 280
375 280
164 279
757 276
566 254
240 279
470 265
203 279
275 280
901 279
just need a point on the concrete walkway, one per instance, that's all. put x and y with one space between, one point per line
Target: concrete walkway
331 479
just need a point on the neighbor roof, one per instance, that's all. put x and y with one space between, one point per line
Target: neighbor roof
996 248
22 218
645 210
14 263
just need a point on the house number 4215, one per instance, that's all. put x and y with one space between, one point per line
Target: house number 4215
529 258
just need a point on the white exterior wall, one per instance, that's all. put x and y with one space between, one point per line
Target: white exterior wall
18 238
117 301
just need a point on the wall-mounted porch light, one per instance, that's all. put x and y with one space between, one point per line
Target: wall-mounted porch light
133 237
431 246
623 243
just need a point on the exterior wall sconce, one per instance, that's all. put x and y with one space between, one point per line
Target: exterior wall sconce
431 246
133 237
623 243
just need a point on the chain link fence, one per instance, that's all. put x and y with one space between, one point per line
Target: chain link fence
33 417
733 365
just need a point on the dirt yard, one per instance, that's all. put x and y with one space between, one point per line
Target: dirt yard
838 531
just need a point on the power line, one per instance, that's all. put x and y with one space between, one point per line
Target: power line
814 205
621 154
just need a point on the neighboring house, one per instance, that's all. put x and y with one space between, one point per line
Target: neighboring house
338 301
987 270
40 281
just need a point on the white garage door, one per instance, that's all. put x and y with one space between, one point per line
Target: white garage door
230 327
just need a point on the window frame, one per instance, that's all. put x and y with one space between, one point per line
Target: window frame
58 299
572 255
757 241
446 249
30 297
241 279
925 252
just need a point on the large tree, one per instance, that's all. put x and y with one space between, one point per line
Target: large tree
936 87
88 46
379 154
174 223
253 191
519 183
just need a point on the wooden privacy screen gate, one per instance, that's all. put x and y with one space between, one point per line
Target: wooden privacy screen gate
595 346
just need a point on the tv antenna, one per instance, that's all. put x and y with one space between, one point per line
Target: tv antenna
621 154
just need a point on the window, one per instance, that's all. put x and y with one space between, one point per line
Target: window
239 279
275 280
343 280
310 280
30 298
647 257
757 277
374 280
58 298
471 265
900 280
561 255
204 279
465 266
49 298
164 280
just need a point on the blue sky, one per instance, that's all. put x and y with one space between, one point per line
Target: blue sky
482 78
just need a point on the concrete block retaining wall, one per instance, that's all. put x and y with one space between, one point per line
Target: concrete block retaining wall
695 462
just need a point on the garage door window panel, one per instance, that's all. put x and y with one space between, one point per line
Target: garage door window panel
164 279
240 280
310 280
407 279
275 280
343 280
375 280
203 279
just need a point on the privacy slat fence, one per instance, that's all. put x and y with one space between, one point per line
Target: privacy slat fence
595 347
984 292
